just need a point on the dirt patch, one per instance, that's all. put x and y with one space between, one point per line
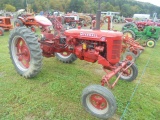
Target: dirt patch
2 74
29 117
115 117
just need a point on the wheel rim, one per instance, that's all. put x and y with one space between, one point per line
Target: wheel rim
129 57
128 34
73 25
127 73
20 53
64 54
150 43
17 24
97 103
1 32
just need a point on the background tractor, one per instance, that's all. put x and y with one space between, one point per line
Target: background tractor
26 19
150 34
5 24
103 47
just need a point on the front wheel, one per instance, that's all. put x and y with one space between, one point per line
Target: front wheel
99 101
25 52
129 56
136 52
130 74
151 43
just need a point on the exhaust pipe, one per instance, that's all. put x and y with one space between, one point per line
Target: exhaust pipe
98 16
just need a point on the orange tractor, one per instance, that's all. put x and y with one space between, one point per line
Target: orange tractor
5 24
26 19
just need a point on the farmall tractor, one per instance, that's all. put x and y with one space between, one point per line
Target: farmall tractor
103 47
26 19
5 24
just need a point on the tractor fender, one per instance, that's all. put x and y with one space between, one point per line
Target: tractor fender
22 19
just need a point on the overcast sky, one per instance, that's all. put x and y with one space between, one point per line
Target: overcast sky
155 2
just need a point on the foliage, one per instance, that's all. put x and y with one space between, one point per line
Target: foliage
10 8
126 7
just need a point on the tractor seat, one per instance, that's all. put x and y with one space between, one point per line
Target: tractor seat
43 21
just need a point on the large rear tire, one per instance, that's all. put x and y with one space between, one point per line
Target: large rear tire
99 101
128 25
129 33
25 52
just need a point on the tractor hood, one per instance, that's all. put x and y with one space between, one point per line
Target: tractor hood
97 35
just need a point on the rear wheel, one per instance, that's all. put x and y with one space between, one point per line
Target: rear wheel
66 57
128 25
25 52
129 33
99 101
1 31
151 43
130 74
18 23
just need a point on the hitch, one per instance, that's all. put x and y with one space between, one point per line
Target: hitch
121 69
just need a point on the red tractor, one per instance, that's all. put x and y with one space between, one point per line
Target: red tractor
103 47
26 19
72 19
5 24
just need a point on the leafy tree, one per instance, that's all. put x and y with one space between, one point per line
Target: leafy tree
76 5
9 8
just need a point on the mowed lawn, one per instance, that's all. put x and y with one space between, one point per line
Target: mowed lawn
55 93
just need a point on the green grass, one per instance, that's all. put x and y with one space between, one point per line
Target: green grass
55 93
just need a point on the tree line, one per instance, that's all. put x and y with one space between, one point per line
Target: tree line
126 7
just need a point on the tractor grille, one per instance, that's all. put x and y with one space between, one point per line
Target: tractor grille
116 49
7 21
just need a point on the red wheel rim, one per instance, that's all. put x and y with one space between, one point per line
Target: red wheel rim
129 57
17 24
127 72
65 53
23 53
135 52
98 101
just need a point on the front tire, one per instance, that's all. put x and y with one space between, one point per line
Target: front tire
99 101
129 56
25 52
130 74
151 43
